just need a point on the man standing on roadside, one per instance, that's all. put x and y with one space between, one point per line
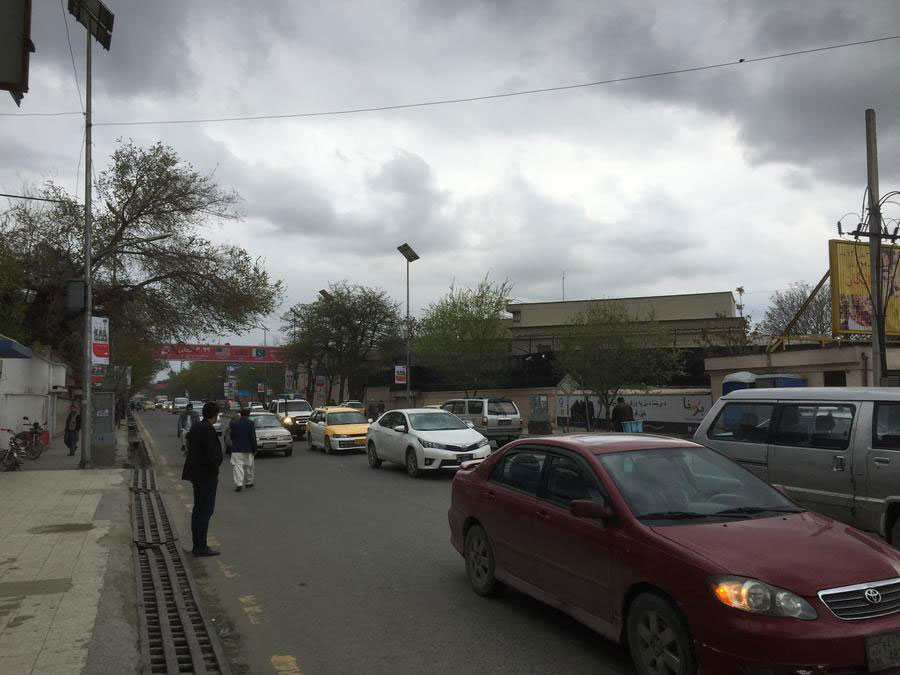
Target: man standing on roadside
73 429
621 412
186 420
243 446
201 468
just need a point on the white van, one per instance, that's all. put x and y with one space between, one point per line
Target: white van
835 450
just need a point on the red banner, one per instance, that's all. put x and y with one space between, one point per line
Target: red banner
238 353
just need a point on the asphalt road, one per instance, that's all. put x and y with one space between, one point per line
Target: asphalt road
329 566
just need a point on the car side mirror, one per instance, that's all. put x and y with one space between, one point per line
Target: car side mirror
469 424
400 429
370 420
586 508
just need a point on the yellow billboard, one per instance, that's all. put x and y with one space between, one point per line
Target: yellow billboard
851 308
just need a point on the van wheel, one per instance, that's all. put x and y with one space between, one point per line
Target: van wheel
658 638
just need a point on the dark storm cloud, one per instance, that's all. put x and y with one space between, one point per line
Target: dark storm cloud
805 110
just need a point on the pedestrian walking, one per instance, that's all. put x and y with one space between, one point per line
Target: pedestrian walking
201 468
243 448
72 429
621 412
186 420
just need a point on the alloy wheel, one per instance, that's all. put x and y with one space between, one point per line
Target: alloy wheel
412 464
478 559
658 644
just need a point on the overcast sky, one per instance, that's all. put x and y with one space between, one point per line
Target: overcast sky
695 182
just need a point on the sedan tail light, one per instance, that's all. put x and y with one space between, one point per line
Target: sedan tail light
484 422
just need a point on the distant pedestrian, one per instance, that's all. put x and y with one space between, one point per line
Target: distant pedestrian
72 429
201 468
243 448
621 412
186 420
120 412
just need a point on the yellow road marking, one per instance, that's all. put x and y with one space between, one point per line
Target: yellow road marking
252 609
284 664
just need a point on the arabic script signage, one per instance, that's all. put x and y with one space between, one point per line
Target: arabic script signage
650 408
246 354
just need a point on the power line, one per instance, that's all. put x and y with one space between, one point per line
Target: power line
486 97
36 199
71 54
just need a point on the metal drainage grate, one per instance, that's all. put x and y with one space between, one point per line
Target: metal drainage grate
143 479
177 636
150 524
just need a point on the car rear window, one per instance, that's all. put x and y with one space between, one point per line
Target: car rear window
475 407
499 406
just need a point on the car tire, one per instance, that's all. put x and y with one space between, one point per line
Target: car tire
372 454
412 463
309 443
328 449
479 556
658 638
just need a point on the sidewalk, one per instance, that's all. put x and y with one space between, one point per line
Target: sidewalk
67 587
56 456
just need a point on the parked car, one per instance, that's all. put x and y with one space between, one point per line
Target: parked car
334 428
356 405
293 413
424 439
149 405
835 449
179 403
498 419
271 436
693 562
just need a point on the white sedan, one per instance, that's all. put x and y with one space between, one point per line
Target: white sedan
270 435
424 439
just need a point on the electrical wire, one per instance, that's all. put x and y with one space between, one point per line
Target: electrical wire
36 199
486 97
71 54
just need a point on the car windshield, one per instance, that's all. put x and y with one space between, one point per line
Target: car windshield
198 405
297 406
265 421
181 401
677 484
436 421
338 418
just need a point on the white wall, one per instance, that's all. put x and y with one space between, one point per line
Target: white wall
25 389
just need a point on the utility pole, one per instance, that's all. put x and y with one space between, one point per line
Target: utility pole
411 256
564 286
86 411
879 361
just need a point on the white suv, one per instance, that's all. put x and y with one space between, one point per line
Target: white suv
293 413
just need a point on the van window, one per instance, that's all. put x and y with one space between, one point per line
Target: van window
476 407
499 406
887 426
826 425
743 422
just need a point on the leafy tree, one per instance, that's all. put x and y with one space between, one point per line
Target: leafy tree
605 349
338 334
174 287
784 305
463 336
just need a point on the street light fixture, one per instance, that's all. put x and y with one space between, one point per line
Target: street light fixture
411 256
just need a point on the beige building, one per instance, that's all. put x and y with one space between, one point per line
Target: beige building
834 365
536 325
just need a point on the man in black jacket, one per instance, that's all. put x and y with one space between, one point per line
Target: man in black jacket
201 468
73 428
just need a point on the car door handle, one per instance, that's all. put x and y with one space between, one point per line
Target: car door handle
543 515
882 460
488 494
838 463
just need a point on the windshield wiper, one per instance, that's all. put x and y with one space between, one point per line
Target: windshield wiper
673 515
751 510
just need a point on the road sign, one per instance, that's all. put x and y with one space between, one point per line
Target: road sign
100 340
288 380
260 388
399 374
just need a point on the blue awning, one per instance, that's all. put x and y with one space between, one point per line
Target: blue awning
10 349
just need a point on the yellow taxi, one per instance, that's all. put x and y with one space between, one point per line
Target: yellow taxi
334 428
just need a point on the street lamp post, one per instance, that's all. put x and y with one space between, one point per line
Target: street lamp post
411 256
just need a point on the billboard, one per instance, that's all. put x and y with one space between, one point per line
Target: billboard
100 340
399 374
231 353
851 307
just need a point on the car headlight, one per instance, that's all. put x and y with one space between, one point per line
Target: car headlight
288 420
756 597
432 444
483 442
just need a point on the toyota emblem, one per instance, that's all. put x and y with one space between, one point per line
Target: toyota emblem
873 596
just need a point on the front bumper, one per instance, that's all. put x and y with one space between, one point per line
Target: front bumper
273 445
754 645
297 426
348 443
432 459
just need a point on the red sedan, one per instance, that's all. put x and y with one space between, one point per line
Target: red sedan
679 553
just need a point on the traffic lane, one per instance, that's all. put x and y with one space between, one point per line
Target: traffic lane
350 569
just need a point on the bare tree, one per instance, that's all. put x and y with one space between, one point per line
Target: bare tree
784 305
